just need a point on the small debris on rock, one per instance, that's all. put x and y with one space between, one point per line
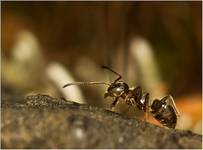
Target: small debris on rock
40 121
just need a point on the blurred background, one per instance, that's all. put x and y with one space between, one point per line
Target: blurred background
156 45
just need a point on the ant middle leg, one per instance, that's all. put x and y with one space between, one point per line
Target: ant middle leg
146 108
112 107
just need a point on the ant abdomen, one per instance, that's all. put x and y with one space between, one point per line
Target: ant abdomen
164 113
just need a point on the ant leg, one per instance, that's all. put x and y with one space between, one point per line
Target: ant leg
129 103
146 110
171 101
112 107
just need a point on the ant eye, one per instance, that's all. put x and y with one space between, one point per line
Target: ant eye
125 86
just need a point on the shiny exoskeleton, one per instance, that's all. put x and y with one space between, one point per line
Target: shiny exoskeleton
165 113
163 110
131 96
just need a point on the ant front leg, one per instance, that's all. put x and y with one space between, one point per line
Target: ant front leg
112 107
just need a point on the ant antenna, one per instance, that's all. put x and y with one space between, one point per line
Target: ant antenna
85 83
119 76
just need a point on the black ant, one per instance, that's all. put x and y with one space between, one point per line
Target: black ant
163 110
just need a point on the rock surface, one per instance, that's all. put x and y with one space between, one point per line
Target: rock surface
40 121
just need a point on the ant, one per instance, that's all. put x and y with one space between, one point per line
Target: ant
163 110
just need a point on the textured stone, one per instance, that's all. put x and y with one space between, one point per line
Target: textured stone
40 121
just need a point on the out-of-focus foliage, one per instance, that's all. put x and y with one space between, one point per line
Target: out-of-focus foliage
71 30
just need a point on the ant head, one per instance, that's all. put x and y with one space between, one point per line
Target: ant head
116 89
